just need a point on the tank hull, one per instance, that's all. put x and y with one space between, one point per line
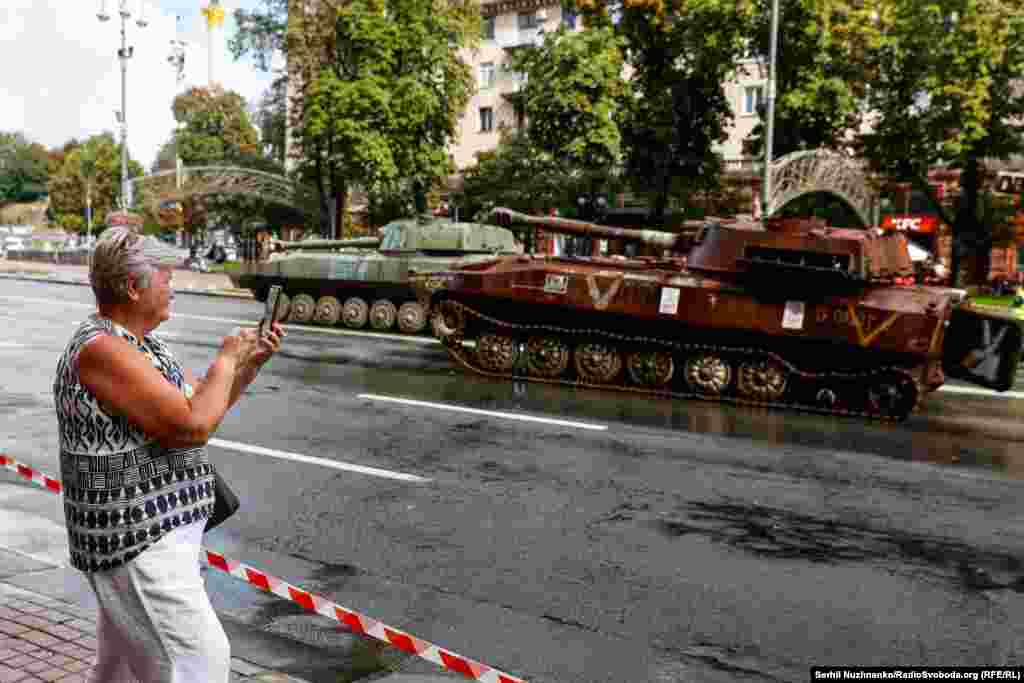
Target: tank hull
660 329
363 283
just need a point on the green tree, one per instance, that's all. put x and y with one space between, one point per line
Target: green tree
573 99
680 53
946 88
91 168
23 168
214 126
821 74
379 88
272 119
515 174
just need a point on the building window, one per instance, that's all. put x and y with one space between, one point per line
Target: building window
753 96
489 24
528 20
486 119
486 75
518 79
568 19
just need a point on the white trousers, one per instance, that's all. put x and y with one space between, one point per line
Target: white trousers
155 622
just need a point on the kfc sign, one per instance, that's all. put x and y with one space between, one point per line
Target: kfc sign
911 223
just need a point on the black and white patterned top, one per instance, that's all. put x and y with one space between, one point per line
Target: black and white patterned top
122 490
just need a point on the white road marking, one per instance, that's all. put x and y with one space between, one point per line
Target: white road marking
298 457
252 323
355 333
15 345
979 391
488 413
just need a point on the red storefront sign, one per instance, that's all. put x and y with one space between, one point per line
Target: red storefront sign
911 223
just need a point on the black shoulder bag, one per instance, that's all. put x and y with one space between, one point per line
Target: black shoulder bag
225 501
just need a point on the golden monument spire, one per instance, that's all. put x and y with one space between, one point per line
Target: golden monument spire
214 14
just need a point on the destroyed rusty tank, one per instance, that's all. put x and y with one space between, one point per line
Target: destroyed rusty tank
364 280
790 313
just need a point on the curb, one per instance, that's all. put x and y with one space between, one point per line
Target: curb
222 293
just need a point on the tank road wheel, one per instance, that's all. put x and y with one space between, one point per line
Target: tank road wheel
302 309
597 362
546 356
708 373
382 315
354 312
496 352
827 398
328 311
763 380
448 322
412 317
892 395
650 368
284 307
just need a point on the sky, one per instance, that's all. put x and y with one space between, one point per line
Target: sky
62 78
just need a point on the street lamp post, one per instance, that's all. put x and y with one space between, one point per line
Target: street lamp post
124 54
177 62
769 129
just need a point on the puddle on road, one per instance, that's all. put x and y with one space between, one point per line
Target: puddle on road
775 533
925 437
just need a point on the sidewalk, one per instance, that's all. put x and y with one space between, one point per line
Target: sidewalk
48 617
185 281
44 639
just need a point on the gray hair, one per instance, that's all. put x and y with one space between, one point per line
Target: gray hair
121 255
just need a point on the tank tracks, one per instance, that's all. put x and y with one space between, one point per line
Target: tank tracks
356 313
600 359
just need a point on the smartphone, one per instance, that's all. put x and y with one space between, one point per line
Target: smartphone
273 305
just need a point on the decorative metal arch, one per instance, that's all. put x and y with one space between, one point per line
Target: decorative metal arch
820 170
197 181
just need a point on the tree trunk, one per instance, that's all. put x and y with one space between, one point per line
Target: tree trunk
419 196
341 204
321 189
974 237
661 200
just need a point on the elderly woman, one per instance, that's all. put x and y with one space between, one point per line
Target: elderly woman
138 484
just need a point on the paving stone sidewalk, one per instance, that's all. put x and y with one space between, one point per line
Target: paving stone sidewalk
42 639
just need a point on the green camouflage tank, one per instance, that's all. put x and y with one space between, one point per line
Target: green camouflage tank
365 280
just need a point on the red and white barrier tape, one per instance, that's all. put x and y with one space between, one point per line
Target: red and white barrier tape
315 603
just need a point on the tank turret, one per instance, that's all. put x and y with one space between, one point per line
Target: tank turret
801 252
363 281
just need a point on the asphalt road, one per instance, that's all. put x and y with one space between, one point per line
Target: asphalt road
621 539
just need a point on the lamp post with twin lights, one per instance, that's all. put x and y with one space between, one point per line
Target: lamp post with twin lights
124 54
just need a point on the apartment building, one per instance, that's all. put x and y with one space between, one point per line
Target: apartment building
512 24
509 25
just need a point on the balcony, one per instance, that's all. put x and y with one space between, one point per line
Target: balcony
517 39
743 166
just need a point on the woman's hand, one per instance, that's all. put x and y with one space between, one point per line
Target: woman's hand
237 348
261 349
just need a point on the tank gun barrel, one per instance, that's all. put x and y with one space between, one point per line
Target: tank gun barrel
667 240
324 245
